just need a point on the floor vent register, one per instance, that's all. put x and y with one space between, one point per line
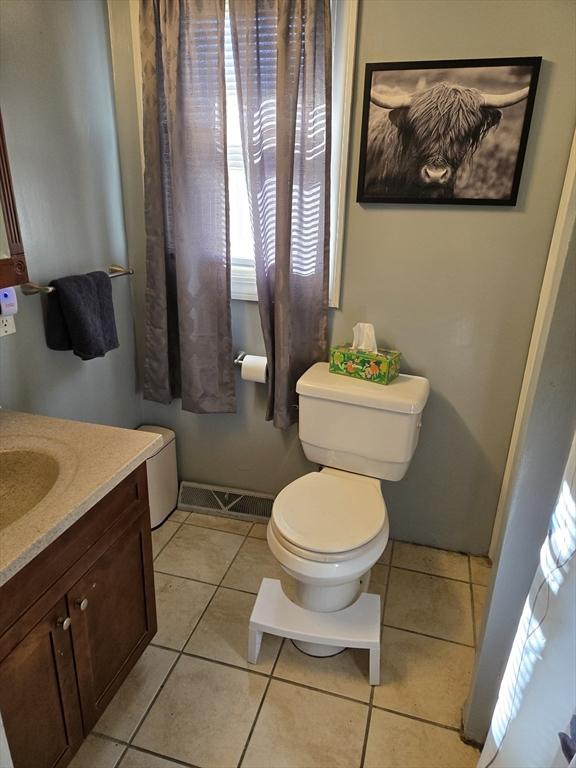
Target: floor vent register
229 502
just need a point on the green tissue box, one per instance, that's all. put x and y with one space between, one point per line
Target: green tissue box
381 367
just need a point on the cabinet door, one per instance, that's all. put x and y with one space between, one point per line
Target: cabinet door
39 697
113 617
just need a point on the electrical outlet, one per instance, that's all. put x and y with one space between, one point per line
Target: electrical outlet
7 325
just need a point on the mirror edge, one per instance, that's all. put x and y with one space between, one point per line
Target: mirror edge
13 271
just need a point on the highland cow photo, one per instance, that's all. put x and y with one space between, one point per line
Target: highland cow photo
446 131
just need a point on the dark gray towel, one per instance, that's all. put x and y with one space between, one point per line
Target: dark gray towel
80 315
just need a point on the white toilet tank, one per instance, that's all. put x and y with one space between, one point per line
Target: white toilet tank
371 429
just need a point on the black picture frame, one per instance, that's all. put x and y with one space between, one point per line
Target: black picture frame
428 114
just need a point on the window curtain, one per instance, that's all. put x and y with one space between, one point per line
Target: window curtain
188 341
282 54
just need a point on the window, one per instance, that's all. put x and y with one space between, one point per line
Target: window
123 19
344 13
241 238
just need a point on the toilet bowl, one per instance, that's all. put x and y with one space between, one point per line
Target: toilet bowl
327 530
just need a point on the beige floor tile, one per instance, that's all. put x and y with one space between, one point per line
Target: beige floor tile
258 531
199 553
346 673
97 753
135 759
480 568
126 710
179 605
179 516
161 536
435 561
429 604
480 595
378 581
252 564
219 523
223 632
424 677
385 557
203 714
399 742
299 728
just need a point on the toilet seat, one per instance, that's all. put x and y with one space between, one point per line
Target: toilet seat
329 516
319 557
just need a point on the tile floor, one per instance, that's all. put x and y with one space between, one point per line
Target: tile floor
193 700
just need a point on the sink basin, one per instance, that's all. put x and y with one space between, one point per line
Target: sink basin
26 476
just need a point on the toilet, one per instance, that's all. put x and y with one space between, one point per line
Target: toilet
329 527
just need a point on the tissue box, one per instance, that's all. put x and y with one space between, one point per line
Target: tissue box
381 367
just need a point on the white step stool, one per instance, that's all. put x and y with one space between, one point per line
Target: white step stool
357 626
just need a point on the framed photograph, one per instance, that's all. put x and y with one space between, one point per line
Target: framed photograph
446 132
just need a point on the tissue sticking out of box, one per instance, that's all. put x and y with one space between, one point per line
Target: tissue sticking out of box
364 337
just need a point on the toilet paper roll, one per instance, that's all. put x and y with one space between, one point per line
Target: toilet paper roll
254 368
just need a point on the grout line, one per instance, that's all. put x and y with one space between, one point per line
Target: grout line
218 513
225 664
373 688
425 634
120 761
472 603
218 585
145 751
335 695
108 738
427 573
163 547
152 702
128 746
105 736
367 730
188 578
385 598
256 716
418 719
208 583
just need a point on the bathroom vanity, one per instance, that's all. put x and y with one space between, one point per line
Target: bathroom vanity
77 599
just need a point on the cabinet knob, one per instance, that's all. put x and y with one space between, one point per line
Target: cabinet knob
64 623
82 603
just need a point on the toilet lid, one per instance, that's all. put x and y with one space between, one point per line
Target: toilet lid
330 511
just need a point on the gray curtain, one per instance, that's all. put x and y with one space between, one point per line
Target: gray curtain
188 344
282 52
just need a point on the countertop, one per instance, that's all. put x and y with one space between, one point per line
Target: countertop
92 459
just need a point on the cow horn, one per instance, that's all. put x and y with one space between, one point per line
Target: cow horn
500 100
390 100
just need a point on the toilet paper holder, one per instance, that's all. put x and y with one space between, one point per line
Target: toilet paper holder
239 359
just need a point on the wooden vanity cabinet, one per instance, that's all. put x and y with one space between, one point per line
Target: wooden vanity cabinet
39 697
73 623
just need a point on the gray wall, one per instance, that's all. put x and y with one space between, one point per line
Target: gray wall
454 288
461 283
57 104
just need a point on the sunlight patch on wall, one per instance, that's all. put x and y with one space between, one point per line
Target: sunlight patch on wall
558 549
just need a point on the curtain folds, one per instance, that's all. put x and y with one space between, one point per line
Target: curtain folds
282 52
188 340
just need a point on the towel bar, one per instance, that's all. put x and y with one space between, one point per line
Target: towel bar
114 270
